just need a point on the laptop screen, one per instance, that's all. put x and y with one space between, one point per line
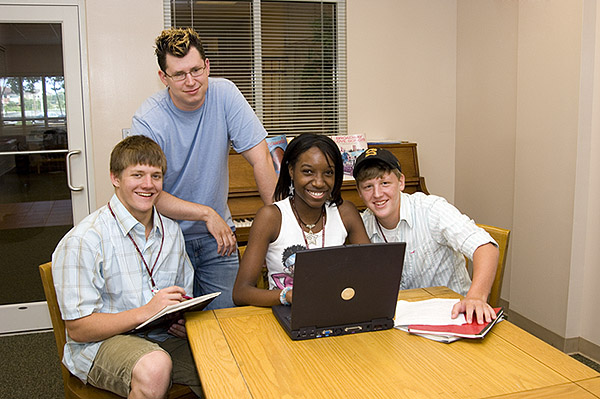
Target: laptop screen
346 284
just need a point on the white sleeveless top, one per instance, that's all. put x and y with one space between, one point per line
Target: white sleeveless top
281 254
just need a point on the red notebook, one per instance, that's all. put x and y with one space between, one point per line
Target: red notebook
472 330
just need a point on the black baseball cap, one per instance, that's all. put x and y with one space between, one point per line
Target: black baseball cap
376 154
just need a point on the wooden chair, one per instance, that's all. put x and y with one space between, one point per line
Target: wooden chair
74 388
501 236
262 281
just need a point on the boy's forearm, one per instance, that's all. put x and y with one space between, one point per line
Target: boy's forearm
485 262
100 326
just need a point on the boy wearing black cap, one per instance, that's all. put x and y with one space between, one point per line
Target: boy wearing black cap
437 235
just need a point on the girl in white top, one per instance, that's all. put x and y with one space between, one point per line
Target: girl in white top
309 213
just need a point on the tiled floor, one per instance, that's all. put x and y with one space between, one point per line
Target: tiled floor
35 214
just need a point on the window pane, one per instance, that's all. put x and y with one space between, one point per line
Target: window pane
34 122
298 56
57 122
11 100
33 98
225 28
55 96
288 60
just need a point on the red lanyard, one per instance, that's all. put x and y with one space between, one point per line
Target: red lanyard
162 240
381 231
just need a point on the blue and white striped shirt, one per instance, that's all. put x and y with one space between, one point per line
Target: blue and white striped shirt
96 269
437 236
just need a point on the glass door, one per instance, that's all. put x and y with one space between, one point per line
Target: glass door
43 186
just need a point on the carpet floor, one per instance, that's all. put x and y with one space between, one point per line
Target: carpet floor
30 367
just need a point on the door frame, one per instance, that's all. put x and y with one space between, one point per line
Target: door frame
33 316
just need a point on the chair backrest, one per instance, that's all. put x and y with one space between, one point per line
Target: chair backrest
74 388
241 250
262 279
501 236
58 325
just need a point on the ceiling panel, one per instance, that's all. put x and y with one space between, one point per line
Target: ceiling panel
12 34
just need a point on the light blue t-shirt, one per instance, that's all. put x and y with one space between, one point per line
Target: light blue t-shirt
196 144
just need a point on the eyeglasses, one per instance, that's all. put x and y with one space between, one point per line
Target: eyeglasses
194 73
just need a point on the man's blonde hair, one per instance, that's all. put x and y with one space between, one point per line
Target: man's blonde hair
177 42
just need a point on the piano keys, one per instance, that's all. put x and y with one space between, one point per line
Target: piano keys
240 223
244 200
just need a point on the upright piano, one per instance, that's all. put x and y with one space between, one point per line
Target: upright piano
244 199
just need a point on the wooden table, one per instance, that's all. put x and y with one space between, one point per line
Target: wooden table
244 353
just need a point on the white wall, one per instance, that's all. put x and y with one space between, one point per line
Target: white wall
486 113
122 73
527 106
585 271
547 129
402 79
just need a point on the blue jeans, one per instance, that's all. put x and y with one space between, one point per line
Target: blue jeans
212 272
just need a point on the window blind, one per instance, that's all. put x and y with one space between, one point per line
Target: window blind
288 58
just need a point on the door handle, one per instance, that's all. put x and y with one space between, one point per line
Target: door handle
68 161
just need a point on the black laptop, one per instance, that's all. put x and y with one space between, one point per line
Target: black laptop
343 290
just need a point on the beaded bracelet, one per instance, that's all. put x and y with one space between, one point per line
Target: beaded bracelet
282 296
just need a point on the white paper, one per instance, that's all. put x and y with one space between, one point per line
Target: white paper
433 312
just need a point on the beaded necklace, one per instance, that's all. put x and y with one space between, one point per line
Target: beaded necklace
310 237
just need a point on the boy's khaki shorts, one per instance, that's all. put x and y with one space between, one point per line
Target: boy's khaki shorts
118 355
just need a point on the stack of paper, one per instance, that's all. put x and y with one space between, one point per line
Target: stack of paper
432 319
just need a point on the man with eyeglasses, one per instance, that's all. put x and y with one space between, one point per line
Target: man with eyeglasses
194 120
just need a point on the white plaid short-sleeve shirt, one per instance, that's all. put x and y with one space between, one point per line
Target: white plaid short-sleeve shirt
96 269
